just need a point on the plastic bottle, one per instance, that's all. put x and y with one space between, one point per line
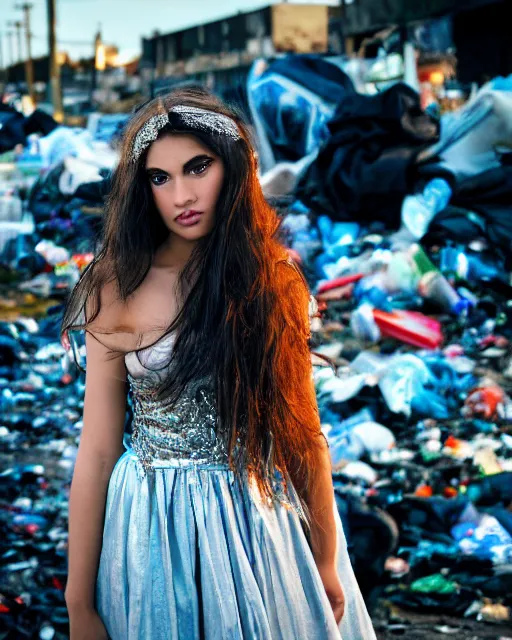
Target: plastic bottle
419 210
434 286
453 262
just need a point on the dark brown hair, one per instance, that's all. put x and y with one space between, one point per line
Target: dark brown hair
245 320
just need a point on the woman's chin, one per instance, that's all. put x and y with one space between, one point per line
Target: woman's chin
194 232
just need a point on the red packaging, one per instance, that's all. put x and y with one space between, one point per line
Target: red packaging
410 327
342 281
424 491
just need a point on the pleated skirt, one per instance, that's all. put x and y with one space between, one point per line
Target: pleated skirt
189 553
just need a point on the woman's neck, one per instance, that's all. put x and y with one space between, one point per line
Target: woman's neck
173 253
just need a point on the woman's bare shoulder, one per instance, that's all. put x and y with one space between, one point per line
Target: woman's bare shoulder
111 310
113 323
141 319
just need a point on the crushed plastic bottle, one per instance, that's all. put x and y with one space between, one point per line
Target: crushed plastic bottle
419 210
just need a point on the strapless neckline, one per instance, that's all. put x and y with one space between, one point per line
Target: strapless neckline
169 336
150 360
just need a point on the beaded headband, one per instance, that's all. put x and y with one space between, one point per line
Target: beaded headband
193 117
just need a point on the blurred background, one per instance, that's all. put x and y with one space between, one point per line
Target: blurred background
384 134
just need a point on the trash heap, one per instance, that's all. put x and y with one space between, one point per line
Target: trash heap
415 403
41 406
401 223
52 189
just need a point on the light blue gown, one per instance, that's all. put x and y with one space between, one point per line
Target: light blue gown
188 553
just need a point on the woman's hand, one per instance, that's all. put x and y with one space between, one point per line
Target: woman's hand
86 625
333 589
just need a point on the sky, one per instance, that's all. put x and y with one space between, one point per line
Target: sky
123 22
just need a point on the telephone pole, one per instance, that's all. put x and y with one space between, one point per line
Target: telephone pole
54 71
10 63
3 68
98 61
18 25
10 48
29 65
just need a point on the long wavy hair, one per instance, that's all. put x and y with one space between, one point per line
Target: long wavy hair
244 315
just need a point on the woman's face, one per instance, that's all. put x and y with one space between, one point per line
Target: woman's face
186 179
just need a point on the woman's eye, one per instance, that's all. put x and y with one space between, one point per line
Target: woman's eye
158 178
200 168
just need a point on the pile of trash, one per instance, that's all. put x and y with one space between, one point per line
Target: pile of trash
41 406
52 188
414 398
401 223
52 193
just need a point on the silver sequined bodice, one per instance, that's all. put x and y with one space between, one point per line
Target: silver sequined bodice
184 431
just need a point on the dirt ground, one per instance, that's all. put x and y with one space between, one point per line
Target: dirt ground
413 626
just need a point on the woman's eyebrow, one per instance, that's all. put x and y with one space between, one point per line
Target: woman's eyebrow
201 157
154 170
188 165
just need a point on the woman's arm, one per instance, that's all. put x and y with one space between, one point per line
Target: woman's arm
318 494
100 448
319 497
320 501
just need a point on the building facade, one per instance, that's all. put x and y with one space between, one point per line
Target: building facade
237 41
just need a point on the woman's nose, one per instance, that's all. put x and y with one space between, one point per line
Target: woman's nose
183 193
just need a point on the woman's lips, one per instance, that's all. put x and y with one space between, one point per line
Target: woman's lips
188 218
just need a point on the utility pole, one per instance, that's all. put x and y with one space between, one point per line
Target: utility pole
54 70
18 25
98 62
29 65
10 35
3 68
10 64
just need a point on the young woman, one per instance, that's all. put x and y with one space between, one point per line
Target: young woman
218 521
